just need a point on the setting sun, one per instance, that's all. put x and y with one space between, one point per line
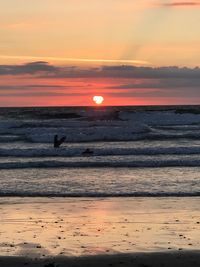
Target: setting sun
98 99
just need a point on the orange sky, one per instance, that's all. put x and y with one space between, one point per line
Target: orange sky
92 34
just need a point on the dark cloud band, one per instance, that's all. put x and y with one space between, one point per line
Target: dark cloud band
45 70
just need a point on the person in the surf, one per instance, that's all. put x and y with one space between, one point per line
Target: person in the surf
87 152
58 142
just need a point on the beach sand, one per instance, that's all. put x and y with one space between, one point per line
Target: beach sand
99 232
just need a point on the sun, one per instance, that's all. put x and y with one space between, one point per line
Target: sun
98 99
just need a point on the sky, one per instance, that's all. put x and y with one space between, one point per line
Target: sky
63 52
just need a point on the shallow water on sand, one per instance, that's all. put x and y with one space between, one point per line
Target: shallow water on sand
46 227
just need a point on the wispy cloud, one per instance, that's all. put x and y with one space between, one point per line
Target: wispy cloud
84 60
181 4
38 94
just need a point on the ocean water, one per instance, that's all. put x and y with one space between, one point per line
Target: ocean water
137 151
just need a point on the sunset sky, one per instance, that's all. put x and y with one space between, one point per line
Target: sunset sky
63 52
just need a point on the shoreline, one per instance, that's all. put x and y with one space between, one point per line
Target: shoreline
94 231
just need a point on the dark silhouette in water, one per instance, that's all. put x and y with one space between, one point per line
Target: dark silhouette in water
58 142
87 152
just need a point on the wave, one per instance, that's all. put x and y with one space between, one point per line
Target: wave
100 194
76 152
10 138
183 127
110 134
113 136
99 131
99 164
87 138
76 131
177 135
135 126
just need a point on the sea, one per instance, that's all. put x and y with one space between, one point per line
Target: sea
136 151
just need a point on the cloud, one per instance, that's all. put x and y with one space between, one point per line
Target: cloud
156 93
150 73
158 88
46 80
38 87
29 68
120 79
181 4
42 69
38 94
162 83
25 87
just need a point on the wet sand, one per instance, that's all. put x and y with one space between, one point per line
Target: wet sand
178 259
99 232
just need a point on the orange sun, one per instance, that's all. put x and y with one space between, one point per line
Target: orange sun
98 99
